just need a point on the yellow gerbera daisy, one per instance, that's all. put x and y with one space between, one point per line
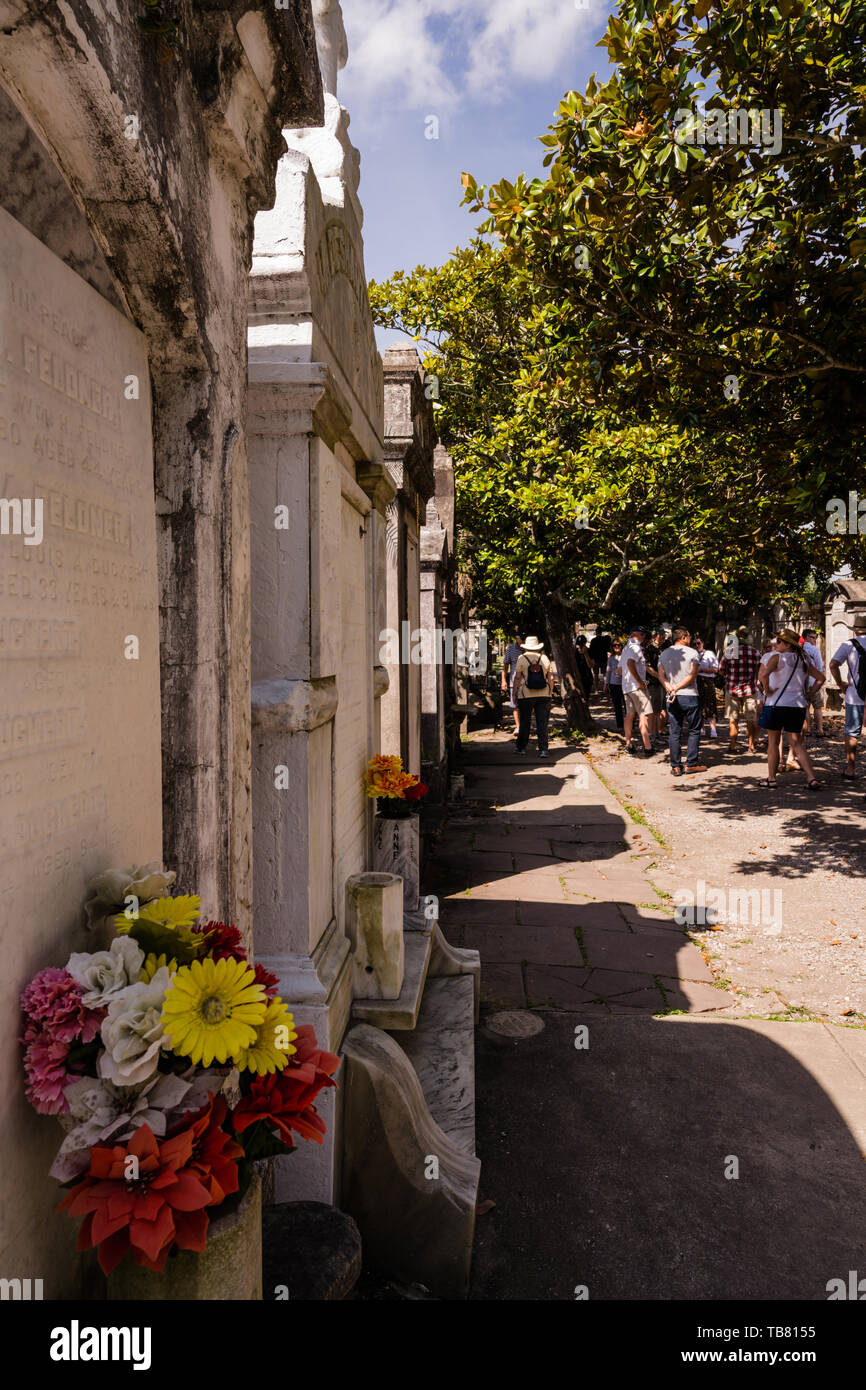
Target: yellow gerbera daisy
213 1010
152 963
273 1041
165 925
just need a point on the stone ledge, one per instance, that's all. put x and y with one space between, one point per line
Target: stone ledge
400 1014
441 1048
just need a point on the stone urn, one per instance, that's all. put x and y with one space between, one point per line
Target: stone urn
396 850
395 808
229 1268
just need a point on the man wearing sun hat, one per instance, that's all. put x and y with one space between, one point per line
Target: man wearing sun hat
533 691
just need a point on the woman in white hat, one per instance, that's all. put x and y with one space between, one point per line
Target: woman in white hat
533 690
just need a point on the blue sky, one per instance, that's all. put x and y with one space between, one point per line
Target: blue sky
491 71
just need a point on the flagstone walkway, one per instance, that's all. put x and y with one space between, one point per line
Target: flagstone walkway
617 1088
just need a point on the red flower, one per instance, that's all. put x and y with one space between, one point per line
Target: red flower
221 942
415 793
271 982
285 1099
162 1206
214 1152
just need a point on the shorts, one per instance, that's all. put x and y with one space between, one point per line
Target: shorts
638 701
657 697
853 720
741 706
816 699
787 718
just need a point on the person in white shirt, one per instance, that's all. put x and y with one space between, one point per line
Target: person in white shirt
812 653
852 653
634 688
785 677
613 685
678 673
707 673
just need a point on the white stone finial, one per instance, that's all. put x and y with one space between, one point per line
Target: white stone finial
331 43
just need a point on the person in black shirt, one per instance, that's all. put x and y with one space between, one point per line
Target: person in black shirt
584 670
599 651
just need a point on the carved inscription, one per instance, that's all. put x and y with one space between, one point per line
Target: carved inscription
79 724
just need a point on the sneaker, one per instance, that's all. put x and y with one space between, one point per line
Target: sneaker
521 752
543 754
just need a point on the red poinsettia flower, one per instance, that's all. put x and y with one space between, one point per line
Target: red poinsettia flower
285 1099
214 1152
415 793
146 1214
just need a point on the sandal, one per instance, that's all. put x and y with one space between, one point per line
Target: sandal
849 776
813 786
767 784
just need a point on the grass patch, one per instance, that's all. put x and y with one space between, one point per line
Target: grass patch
633 812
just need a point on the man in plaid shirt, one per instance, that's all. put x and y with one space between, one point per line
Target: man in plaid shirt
740 666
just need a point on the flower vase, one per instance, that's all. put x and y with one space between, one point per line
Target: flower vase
228 1269
393 808
396 850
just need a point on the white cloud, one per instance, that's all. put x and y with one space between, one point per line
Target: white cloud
426 54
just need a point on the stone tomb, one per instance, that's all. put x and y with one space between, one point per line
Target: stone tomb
80 777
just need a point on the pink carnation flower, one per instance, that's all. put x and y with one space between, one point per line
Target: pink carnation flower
53 1002
54 1018
45 1065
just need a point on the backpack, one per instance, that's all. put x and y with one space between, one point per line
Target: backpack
535 677
860 683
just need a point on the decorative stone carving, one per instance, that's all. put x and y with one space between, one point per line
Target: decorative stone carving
419 1228
291 707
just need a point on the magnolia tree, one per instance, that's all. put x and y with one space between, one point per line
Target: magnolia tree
650 368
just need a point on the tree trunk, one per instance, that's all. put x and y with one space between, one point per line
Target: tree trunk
560 634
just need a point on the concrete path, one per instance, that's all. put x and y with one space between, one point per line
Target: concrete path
639 1139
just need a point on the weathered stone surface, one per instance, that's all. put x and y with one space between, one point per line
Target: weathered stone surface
374 923
447 960
230 1267
396 850
293 707
402 1012
413 1224
79 660
441 1048
310 1250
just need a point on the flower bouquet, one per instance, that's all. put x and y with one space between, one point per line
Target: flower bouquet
172 1065
397 792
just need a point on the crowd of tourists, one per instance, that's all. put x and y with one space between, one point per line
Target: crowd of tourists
664 690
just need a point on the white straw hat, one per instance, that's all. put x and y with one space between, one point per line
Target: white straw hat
532 644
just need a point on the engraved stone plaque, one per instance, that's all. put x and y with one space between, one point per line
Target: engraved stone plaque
80 776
